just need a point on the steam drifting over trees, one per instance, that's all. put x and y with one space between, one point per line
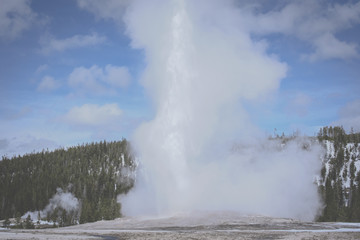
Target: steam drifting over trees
81 184
52 182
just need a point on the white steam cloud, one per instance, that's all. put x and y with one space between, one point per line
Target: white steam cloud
201 151
63 200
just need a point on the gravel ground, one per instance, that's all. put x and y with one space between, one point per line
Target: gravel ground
194 226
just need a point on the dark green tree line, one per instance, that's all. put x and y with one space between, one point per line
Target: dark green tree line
93 173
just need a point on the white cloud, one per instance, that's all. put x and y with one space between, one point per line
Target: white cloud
328 47
87 80
15 17
99 81
77 41
107 9
48 83
41 68
310 21
20 145
117 76
349 116
298 104
93 115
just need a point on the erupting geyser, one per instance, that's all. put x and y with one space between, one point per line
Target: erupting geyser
201 152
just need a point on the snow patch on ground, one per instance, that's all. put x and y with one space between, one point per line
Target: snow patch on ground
198 225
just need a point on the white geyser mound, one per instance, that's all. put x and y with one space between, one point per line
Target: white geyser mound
201 152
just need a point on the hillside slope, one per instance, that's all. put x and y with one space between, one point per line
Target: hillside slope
339 182
59 184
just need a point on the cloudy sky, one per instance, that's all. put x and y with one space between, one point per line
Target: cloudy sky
70 72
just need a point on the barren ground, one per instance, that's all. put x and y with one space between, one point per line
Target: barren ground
195 226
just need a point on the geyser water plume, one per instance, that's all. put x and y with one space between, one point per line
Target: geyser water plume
201 66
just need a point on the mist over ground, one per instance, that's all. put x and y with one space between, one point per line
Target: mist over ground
201 150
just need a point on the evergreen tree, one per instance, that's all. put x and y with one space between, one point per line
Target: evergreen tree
28 223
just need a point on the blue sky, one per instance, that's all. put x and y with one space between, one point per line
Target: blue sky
69 74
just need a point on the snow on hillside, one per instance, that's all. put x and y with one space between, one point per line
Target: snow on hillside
345 160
